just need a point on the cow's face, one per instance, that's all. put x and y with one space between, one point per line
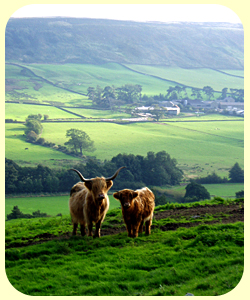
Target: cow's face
126 197
99 189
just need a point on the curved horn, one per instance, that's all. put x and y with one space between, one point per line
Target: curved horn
114 176
81 177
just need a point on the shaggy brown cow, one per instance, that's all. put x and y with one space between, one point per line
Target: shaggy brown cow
89 202
137 207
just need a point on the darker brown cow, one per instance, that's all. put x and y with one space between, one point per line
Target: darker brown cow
89 202
137 208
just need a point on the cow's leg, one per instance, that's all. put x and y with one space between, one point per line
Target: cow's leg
148 227
141 227
82 226
74 228
136 229
90 225
97 229
129 229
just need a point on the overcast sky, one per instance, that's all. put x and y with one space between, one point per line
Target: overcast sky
136 12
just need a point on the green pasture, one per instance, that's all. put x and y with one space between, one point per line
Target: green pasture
195 77
233 130
80 77
197 152
206 260
20 112
20 87
192 117
52 205
76 77
15 145
225 190
100 114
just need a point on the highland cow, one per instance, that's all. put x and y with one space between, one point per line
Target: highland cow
137 208
89 202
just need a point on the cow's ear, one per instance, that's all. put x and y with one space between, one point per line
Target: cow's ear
109 184
134 195
116 195
88 185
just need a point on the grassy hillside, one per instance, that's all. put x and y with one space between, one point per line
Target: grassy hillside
62 83
195 77
204 257
72 40
200 148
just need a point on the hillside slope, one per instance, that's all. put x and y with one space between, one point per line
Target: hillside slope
72 40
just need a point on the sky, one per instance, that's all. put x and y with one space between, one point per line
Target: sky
135 12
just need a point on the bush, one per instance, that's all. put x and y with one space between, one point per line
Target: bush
239 194
17 214
194 189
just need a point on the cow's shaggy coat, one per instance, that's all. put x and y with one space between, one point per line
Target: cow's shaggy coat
137 208
89 202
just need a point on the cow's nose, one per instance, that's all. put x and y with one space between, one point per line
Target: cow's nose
101 197
126 205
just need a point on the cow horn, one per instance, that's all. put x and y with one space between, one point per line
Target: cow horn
114 176
80 175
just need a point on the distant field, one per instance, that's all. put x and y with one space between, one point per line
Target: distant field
80 77
19 112
53 205
196 151
225 190
50 205
28 87
76 77
15 145
94 113
195 77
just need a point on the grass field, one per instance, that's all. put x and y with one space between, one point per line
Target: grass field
52 205
213 146
195 77
21 111
75 77
225 190
206 260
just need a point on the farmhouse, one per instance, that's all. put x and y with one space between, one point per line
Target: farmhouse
172 109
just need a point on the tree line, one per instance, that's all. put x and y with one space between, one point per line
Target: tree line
155 169
112 96
235 175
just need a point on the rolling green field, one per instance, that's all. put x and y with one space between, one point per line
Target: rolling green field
200 148
26 85
195 77
42 258
213 146
20 111
51 205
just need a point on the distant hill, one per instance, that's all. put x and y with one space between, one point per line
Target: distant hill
96 41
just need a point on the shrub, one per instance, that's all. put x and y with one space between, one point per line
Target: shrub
194 189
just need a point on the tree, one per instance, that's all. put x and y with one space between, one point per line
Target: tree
236 174
79 140
208 91
196 190
33 124
159 112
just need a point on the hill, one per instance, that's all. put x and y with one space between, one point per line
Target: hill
73 40
195 248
